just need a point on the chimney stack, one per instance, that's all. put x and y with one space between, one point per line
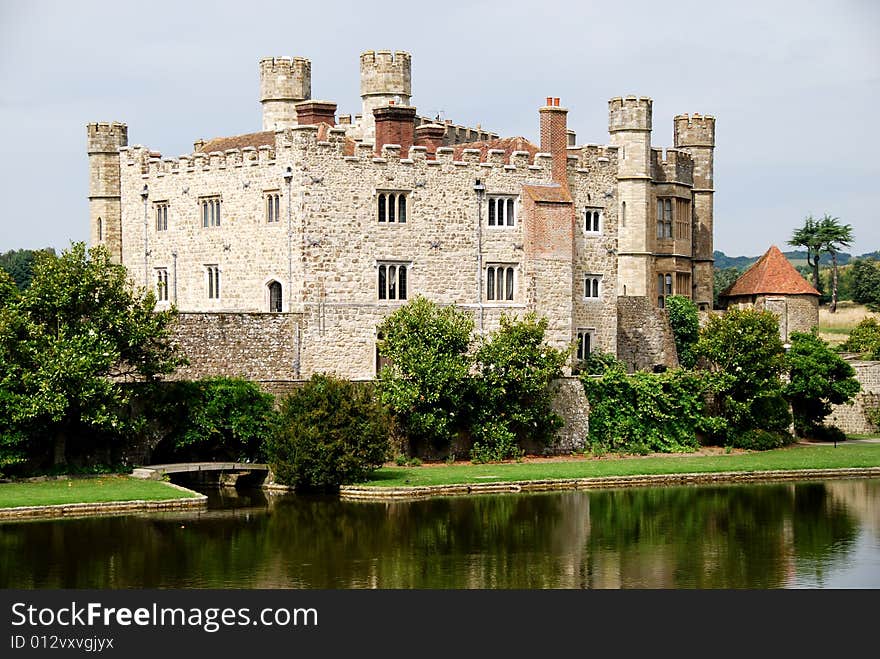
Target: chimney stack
395 124
430 136
554 138
312 113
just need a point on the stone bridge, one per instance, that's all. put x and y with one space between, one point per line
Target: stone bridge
156 472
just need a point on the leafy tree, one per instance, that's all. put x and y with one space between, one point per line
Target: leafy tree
330 432
810 236
19 264
723 278
834 236
426 384
818 378
743 348
685 322
515 368
866 283
212 419
71 340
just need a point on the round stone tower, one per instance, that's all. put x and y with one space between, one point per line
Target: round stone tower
386 79
695 135
629 123
105 210
284 82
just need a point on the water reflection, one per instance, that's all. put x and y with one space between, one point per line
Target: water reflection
822 534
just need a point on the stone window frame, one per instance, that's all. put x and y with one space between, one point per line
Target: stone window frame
210 211
683 219
665 287
502 215
583 349
212 280
509 280
100 230
399 211
273 304
391 291
272 206
683 284
592 287
160 212
664 216
161 279
594 220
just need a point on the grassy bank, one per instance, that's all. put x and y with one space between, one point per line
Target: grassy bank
86 490
795 457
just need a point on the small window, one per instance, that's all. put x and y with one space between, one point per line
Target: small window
213 273
210 211
500 282
162 284
272 200
392 207
664 288
623 213
274 297
592 220
392 281
100 230
161 211
584 343
683 219
502 211
592 286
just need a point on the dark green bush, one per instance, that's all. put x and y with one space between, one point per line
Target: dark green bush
827 433
760 440
685 323
864 338
330 432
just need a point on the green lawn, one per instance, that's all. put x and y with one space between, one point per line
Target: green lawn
795 457
86 490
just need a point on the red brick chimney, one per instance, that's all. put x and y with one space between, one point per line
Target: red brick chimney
312 113
554 138
395 124
430 136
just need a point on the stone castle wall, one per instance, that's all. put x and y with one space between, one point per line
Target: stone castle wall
853 418
644 338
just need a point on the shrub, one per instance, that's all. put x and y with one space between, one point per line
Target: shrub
330 432
598 362
685 323
646 412
827 433
514 368
873 416
864 338
760 440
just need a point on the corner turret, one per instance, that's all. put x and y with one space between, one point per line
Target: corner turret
284 82
103 141
386 79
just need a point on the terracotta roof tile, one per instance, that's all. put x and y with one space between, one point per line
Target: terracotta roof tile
506 144
265 138
771 274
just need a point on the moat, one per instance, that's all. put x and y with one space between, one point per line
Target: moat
794 535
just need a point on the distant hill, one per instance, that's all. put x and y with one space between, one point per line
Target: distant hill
796 257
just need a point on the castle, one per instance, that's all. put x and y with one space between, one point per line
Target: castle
285 249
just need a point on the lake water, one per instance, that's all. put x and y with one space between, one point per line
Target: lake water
793 535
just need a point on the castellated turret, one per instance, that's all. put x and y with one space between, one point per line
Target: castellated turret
284 82
386 79
103 141
695 135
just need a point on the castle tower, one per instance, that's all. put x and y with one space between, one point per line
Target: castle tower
284 82
695 135
629 123
105 211
386 79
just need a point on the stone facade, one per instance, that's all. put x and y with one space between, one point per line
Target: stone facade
796 313
306 221
853 418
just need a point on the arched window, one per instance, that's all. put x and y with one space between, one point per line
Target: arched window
623 214
274 297
499 282
100 229
382 207
401 208
392 281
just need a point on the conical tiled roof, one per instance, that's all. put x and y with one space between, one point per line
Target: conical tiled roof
772 274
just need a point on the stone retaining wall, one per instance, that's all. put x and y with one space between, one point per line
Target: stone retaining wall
360 492
853 418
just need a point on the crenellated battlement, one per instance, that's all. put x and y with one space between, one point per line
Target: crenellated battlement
672 166
694 130
629 113
386 73
593 156
285 78
106 136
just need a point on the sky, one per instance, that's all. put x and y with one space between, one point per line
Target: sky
794 87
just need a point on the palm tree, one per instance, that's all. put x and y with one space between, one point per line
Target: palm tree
834 236
809 236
